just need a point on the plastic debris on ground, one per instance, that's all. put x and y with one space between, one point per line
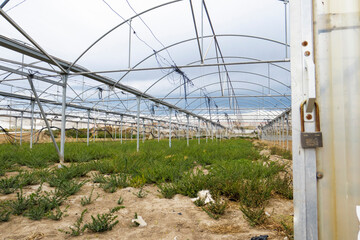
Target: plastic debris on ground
205 195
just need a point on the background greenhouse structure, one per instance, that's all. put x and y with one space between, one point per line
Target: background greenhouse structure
201 70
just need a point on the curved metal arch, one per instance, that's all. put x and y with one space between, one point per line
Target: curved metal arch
192 39
273 79
218 83
226 100
207 74
202 111
114 28
247 58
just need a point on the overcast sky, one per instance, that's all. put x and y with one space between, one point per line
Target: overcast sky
65 28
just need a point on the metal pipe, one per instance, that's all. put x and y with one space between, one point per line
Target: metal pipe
158 131
187 130
43 114
63 119
202 28
170 113
77 131
105 131
129 43
94 130
21 127
32 124
282 131
206 124
15 128
143 133
4 3
138 121
88 129
182 66
199 131
287 131
196 32
121 129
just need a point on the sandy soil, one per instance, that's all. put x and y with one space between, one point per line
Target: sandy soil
173 219
176 218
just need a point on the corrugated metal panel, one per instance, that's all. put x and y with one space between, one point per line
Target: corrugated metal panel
337 39
337 63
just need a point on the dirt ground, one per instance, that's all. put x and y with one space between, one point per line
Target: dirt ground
174 219
170 219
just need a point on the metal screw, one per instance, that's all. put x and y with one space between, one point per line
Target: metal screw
307 53
308 116
319 175
304 43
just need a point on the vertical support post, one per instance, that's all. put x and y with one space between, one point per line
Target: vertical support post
170 113
199 131
158 131
94 131
121 129
212 132
152 129
21 127
143 132
305 160
206 124
287 131
115 130
30 78
216 133
187 130
32 124
63 119
138 122
286 29
88 129
130 31
131 132
77 131
282 131
15 128
105 130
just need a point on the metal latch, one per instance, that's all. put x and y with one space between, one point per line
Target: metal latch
310 139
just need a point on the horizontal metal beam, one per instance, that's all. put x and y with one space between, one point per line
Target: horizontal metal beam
182 66
29 51
199 97
26 74
23 97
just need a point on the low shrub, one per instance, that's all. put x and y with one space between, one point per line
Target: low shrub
103 222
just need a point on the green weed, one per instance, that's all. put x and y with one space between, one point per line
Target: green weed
141 193
87 200
78 227
68 188
281 152
9 185
114 182
255 216
57 214
120 201
98 178
199 202
168 190
4 216
103 222
283 186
